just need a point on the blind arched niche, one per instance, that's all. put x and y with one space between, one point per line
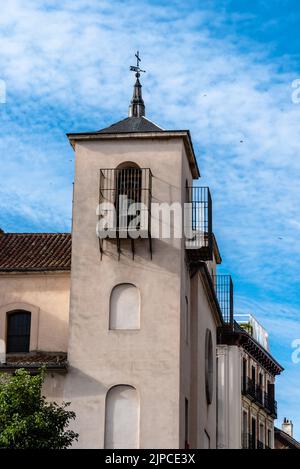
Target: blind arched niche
122 412
124 307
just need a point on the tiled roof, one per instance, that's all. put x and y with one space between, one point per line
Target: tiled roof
35 252
34 360
132 124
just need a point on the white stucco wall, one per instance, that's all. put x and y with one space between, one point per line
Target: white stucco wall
229 397
147 359
203 415
47 296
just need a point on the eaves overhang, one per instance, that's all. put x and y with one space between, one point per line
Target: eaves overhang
228 336
163 134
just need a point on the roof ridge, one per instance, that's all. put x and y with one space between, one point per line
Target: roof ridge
152 122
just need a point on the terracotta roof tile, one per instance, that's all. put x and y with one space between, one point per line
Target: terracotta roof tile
35 252
34 360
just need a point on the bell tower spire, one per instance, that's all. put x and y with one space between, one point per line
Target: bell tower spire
137 106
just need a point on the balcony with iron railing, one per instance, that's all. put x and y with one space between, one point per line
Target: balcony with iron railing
262 399
249 389
249 442
270 405
224 291
119 189
198 225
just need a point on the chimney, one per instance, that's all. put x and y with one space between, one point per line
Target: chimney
287 426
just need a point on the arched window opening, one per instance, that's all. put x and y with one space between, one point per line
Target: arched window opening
18 331
128 192
124 307
122 418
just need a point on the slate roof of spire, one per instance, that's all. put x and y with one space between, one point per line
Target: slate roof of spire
132 124
23 252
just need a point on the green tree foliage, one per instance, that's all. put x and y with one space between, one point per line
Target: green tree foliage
27 420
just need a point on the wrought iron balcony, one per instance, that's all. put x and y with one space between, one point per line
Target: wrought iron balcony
256 394
270 405
249 442
253 391
224 291
119 189
198 224
259 395
249 389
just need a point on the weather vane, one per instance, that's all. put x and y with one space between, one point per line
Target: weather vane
136 68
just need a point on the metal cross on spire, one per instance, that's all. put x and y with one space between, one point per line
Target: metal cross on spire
136 68
137 106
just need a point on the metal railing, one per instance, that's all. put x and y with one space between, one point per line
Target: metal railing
121 187
198 222
263 399
259 394
270 404
249 388
224 291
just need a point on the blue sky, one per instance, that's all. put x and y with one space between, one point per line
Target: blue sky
224 70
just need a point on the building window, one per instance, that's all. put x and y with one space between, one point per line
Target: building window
18 331
124 307
244 375
128 191
245 433
253 375
122 418
209 367
261 436
252 439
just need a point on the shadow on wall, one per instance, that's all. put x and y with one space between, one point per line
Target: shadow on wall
86 385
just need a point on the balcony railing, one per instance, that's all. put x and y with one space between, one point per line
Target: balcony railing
270 405
198 224
118 189
249 442
253 391
259 395
263 399
249 389
224 291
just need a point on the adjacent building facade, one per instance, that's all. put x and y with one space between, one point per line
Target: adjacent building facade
136 331
284 436
246 386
